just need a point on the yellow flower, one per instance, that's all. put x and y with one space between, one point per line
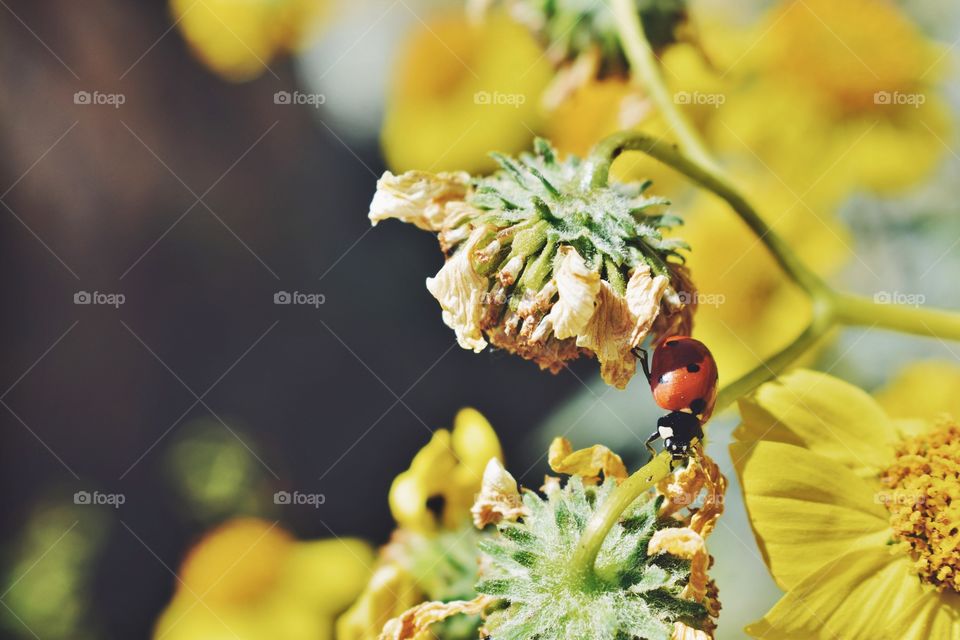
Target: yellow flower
430 555
461 90
238 38
251 580
450 467
854 511
833 97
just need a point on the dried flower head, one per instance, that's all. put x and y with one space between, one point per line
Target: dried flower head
545 266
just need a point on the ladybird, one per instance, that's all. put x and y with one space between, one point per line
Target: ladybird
683 379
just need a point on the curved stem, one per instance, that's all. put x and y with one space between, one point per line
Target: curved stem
879 312
820 324
596 171
616 503
644 65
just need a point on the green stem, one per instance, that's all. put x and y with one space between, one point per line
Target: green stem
643 63
856 310
609 512
596 172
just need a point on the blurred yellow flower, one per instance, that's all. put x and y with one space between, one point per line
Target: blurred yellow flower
461 90
449 467
747 309
249 579
238 38
830 96
430 556
854 511
936 382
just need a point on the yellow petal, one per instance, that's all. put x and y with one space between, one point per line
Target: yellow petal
577 289
805 510
390 592
829 416
474 441
425 479
327 575
856 596
588 463
923 390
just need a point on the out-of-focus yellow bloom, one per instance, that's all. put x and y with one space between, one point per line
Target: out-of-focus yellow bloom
936 382
747 309
429 556
461 90
251 580
854 511
830 96
450 467
238 38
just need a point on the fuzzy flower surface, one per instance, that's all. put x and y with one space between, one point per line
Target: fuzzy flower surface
649 581
872 500
541 265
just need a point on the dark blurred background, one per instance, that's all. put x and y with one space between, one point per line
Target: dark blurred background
198 200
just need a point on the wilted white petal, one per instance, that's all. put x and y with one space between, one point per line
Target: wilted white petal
608 335
460 291
418 197
577 287
643 299
499 497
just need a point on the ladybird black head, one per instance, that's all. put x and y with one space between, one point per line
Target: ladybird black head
698 406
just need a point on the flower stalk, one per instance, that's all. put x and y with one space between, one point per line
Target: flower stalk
829 308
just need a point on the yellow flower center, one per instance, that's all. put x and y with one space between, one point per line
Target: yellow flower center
923 498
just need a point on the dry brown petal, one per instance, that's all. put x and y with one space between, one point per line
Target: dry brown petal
686 544
461 292
577 287
418 619
499 497
587 463
418 197
608 336
684 487
644 294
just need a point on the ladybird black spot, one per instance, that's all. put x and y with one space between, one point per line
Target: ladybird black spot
693 367
673 343
698 406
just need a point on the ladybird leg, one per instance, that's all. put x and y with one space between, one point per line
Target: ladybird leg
648 444
641 355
